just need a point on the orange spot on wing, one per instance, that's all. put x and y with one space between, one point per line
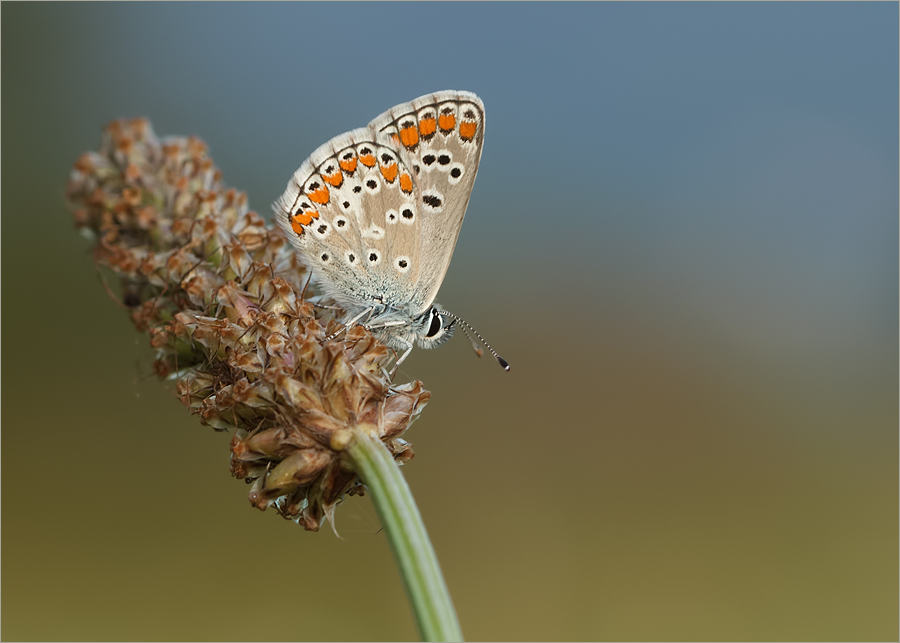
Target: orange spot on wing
367 159
427 126
389 172
319 196
348 165
333 179
299 220
302 217
409 136
467 129
447 122
406 183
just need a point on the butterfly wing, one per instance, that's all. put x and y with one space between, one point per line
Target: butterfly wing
443 134
352 212
375 213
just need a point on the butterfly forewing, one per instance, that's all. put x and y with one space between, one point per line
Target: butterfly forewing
443 133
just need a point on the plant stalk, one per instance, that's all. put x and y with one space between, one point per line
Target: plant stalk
409 541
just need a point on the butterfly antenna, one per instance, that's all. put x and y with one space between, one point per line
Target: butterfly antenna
475 346
468 327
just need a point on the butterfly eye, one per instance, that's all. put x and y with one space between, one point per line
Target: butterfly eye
436 325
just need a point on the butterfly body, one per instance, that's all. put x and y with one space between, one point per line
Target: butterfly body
375 214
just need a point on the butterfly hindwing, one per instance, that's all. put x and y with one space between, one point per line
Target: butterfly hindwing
351 212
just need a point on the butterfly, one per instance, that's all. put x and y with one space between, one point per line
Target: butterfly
375 214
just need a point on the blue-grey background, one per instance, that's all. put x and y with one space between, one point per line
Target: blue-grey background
684 237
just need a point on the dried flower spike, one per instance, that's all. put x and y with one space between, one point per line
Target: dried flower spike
219 291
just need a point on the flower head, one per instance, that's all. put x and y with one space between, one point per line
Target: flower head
221 294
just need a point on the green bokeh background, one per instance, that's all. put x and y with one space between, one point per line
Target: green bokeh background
683 237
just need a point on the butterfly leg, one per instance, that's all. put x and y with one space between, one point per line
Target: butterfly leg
405 355
409 347
349 324
324 306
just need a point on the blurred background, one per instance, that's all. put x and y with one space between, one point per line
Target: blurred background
683 237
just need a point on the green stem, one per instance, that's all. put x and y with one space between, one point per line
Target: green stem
405 530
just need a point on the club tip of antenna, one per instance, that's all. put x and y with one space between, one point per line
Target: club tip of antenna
465 325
